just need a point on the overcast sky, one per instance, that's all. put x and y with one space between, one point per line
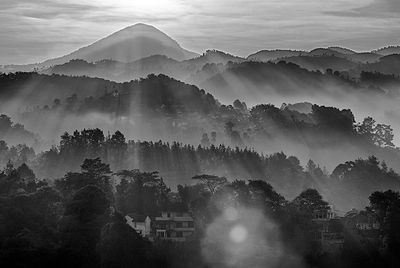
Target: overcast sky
35 30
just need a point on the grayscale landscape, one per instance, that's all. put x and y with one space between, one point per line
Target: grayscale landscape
199 134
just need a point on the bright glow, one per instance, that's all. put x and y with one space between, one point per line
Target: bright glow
146 6
251 240
238 234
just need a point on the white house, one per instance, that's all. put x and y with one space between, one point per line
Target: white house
141 223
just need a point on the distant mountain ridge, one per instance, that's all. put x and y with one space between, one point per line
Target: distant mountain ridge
388 50
270 55
127 45
343 50
141 41
340 52
155 64
139 50
199 69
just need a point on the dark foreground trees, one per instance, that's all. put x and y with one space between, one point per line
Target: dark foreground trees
79 220
386 205
71 224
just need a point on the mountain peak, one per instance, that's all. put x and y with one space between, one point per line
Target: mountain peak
127 45
140 27
141 24
140 30
217 56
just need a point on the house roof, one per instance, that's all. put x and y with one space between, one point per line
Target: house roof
351 213
137 217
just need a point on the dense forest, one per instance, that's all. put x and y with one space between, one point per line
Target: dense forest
162 108
77 220
177 163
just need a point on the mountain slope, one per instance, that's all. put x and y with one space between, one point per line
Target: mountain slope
322 63
118 71
364 57
388 50
214 56
387 65
255 82
343 50
156 64
130 44
271 55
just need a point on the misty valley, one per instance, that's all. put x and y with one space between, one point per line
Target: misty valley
135 152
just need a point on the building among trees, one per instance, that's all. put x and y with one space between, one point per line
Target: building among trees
329 229
141 224
174 226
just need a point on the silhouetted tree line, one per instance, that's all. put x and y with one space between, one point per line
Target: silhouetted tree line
162 103
154 93
378 78
16 133
322 127
388 65
17 154
160 97
177 162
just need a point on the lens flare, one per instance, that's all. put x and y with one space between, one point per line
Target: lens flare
244 237
238 234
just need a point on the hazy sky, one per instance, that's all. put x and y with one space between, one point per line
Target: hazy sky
35 30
